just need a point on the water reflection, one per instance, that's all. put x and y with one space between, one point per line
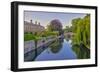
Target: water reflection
57 50
81 51
56 46
30 56
60 49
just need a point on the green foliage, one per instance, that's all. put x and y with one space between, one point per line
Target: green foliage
49 33
82 53
81 30
29 36
55 25
68 29
36 36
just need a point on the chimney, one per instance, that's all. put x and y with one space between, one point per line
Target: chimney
30 21
35 22
39 23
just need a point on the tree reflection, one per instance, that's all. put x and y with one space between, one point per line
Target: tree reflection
56 46
81 51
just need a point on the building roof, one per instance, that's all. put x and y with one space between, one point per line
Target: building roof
32 24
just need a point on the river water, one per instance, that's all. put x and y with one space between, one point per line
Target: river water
59 50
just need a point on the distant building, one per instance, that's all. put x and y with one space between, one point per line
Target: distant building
33 27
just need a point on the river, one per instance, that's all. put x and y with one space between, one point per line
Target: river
59 50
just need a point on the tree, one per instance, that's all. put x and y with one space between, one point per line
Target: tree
81 29
68 29
55 25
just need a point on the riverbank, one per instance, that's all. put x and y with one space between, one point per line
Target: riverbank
30 45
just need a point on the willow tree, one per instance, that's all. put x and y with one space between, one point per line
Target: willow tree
81 30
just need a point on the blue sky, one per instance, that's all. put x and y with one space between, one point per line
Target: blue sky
45 17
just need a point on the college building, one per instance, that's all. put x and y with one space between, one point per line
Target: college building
33 27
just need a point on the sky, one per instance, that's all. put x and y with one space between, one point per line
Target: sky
46 17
